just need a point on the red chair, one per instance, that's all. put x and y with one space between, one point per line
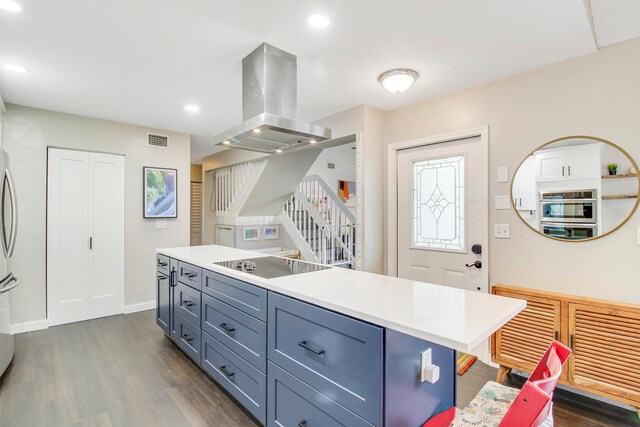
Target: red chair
498 405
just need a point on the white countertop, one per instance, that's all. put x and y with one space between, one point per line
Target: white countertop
447 316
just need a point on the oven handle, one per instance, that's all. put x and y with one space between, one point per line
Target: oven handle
570 224
566 201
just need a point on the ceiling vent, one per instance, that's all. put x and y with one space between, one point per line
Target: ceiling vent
158 140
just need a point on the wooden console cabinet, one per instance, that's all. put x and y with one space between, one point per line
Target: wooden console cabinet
604 337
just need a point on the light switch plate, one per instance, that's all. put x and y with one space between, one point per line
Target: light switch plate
502 203
161 223
503 174
502 231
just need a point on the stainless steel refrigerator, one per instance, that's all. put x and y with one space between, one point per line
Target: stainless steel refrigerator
8 230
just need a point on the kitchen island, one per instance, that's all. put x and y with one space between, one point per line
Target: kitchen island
322 348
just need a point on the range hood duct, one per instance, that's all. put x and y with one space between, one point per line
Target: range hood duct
269 101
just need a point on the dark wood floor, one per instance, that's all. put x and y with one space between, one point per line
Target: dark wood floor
123 371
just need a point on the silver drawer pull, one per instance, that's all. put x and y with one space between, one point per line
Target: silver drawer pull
228 374
306 346
302 423
226 328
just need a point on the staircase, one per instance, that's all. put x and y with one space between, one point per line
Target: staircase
321 224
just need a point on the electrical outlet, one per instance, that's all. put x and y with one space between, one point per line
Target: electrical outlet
161 223
502 231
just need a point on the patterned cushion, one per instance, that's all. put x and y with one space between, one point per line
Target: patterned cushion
489 406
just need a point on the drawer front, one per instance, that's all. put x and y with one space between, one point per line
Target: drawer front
239 378
187 303
244 334
162 264
338 356
190 275
243 296
293 403
188 337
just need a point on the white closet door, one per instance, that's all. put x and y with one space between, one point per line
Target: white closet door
67 235
85 235
106 225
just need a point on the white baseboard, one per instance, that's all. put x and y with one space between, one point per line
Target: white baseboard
143 306
19 328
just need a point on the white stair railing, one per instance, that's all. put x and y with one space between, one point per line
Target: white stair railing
228 182
323 221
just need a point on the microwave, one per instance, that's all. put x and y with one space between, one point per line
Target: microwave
575 206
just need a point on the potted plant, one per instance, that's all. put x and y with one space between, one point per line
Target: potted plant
613 168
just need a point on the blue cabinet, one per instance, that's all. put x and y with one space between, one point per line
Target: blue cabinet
162 264
188 337
243 334
163 306
239 378
189 275
292 403
241 295
187 303
339 356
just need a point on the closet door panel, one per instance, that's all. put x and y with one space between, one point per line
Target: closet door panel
106 219
67 236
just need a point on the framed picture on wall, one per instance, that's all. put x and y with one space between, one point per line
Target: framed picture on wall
160 198
251 233
270 232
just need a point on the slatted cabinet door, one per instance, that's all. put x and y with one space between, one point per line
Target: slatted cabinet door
606 350
525 338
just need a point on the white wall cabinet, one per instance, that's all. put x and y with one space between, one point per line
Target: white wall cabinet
568 163
524 186
85 235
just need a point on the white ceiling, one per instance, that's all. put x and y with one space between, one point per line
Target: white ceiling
141 61
615 21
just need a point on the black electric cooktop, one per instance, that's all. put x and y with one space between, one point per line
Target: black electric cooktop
271 267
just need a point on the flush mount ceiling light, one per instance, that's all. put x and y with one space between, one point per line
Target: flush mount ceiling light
10 6
317 21
278 151
258 130
16 68
192 108
227 142
398 80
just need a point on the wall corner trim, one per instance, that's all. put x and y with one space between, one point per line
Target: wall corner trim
143 306
38 325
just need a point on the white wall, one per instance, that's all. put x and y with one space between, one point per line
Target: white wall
343 158
594 95
26 134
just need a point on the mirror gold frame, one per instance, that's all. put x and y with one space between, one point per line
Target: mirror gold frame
633 210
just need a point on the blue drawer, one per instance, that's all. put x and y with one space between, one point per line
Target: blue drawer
338 356
243 296
162 264
244 334
190 275
187 303
188 337
293 403
239 378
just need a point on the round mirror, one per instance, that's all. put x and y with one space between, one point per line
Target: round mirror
576 188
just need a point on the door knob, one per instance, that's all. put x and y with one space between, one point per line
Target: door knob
477 264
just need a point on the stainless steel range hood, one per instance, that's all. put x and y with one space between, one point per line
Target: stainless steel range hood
269 92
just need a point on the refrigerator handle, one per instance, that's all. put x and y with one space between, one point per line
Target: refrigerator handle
7 183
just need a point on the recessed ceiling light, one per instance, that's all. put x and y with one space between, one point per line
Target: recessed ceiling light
192 108
318 21
312 141
278 151
10 6
226 142
398 80
257 130
16 68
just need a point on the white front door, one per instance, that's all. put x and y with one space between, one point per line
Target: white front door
85 235
443 213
